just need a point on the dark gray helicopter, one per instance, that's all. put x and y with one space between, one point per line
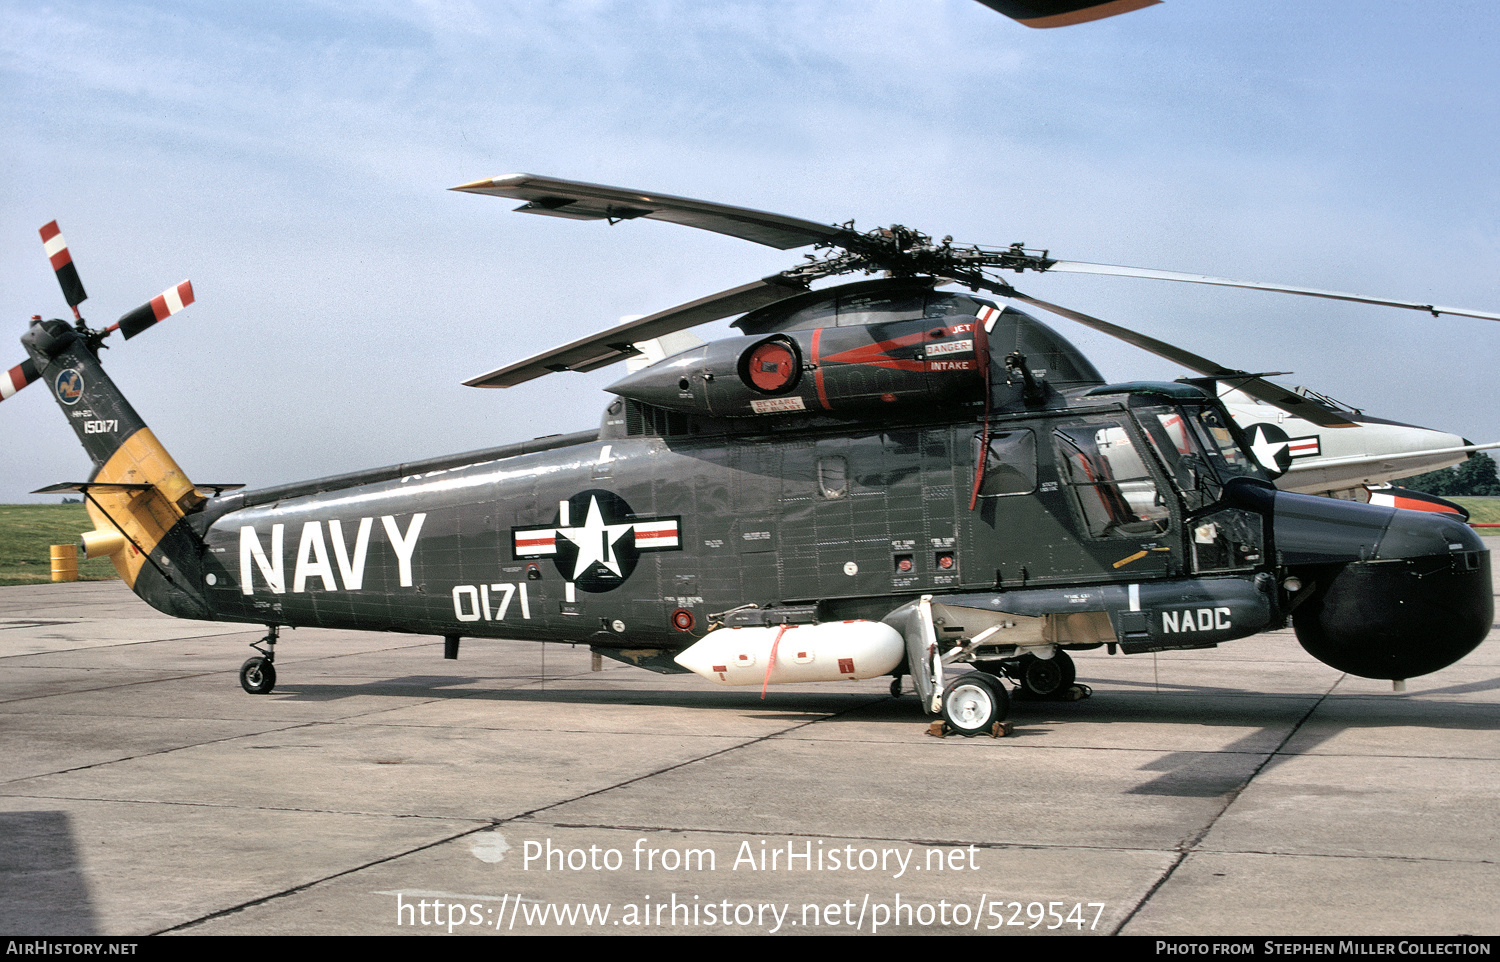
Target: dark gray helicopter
876 478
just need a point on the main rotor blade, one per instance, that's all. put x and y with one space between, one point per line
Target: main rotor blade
617 343
62 263
1063 13
580 201
1076 267
1257 387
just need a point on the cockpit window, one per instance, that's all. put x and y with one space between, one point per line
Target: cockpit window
1218 439
1198 448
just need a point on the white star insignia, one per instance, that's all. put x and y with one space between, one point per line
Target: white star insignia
595 540
1265 450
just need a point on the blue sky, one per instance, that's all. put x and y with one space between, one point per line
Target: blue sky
292 159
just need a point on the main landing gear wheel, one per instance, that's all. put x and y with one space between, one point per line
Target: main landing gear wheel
258 676
1045 677
973 702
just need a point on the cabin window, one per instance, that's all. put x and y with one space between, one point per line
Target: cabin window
1009 464
1109 482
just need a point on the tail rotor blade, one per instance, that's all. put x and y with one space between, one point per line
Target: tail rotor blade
17 377
62 263
159 308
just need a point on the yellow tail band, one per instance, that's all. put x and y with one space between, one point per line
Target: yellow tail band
142 516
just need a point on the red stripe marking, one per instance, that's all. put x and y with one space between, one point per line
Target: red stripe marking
875 354
162 309
18 377
1412 504
652 535
62 258
818 370
548 542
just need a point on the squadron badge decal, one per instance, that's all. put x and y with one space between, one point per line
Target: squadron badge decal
69 386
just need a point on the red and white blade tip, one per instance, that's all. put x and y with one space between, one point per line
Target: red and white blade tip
172 300
16 378
55 245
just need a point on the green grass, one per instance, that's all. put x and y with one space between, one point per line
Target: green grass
27 532
1481 510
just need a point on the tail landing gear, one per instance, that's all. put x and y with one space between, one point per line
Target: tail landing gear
258 674
1044 678
1040 679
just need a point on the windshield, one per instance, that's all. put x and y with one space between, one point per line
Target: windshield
1197 445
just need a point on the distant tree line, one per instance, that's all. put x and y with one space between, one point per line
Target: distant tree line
1476 477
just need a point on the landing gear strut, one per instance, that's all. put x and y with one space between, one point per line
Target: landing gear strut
258 674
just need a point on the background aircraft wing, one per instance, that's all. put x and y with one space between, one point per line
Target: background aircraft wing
1391 459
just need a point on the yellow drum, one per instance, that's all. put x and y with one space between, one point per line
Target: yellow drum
65 562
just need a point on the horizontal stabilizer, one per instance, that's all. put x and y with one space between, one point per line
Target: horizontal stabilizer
211 489
618 342
580 201
82 487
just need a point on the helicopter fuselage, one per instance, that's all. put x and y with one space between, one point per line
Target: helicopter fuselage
909 473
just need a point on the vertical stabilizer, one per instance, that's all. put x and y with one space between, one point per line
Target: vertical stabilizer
136 491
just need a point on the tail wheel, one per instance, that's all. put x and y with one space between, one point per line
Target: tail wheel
973 702
258 676
1046 677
